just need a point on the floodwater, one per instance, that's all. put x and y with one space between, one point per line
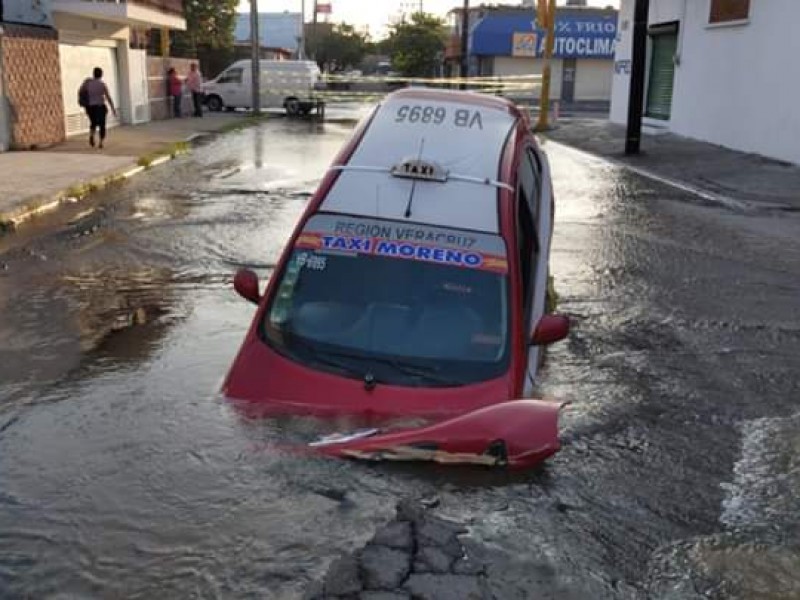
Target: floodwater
123 473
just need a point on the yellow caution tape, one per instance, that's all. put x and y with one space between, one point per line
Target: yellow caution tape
487 79
499 86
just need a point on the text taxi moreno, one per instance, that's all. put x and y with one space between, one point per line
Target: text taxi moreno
402 250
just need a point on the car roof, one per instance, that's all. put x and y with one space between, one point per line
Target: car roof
463 133
284 64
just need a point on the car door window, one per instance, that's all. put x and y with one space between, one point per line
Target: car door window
231 76
529 187
528 242
526 239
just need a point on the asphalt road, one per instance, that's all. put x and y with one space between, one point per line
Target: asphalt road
123 473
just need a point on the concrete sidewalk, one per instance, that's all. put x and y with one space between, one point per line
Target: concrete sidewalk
31 181
736 179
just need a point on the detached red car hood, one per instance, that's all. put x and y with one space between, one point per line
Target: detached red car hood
517 434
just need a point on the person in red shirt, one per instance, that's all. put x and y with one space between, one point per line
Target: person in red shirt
175 87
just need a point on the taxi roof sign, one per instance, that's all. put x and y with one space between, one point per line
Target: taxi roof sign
416 168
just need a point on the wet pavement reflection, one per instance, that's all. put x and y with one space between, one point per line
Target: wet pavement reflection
123 473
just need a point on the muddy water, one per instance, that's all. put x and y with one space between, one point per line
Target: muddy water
122 473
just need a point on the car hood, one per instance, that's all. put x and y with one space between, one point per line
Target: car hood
259 374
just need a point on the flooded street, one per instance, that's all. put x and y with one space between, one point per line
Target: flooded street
123 473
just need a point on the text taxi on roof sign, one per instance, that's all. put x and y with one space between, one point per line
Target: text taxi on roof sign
415 285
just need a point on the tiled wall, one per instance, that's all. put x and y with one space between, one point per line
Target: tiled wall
32 83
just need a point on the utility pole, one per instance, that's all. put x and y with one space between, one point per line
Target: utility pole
301 51
547 14
255 47
464 44
314 34
164 41
633 136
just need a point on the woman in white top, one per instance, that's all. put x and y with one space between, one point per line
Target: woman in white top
93 95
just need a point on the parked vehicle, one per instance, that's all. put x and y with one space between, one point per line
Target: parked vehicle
415 284
287 84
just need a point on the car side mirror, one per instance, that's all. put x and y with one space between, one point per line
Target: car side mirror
551 329
245 282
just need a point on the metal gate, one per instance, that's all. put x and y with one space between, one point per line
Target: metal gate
664 43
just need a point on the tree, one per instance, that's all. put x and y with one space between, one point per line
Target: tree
209 25
338 47
416 46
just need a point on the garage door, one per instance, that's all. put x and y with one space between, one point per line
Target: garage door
77 63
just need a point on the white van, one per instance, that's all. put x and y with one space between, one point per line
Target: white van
285 84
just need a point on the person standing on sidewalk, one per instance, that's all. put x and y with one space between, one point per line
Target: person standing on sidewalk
93 95
175 86
194 81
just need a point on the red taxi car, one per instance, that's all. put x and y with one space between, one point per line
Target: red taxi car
415 285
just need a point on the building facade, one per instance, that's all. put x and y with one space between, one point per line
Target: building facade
49 47
507 41
719 71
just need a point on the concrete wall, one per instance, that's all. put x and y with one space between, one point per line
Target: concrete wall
80 30
620 80
593 79
735 85
514 65
32 83
160 103
32 12
139 85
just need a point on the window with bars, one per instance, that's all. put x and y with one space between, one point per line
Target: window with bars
723 11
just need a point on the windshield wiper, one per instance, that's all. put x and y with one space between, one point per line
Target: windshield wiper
328 357
324 357
430 374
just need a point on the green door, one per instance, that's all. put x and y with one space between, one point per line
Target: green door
662 75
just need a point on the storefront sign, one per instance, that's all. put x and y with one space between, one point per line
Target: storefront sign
524 44
576 36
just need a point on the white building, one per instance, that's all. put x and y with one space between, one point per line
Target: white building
96 33
721 71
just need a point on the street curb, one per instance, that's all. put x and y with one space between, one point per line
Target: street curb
38 205
707 196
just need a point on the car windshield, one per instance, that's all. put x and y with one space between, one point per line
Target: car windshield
397 312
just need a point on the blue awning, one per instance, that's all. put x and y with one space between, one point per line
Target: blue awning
577 36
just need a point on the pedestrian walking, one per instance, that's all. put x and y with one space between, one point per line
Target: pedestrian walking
194 81
92 96
175 86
